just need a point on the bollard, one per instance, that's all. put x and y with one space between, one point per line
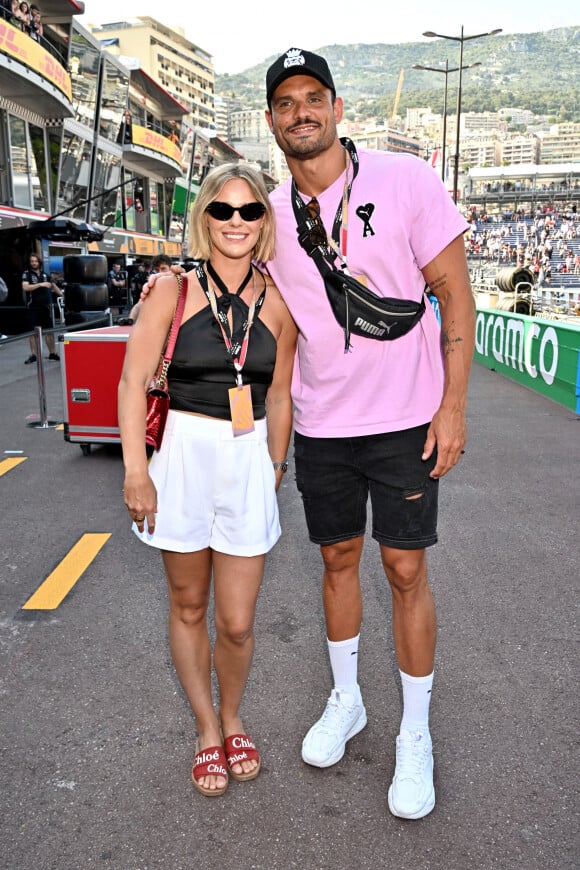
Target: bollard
40 421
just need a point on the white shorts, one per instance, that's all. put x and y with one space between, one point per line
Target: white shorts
213 489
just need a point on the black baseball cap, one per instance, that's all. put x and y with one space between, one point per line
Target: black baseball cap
298 62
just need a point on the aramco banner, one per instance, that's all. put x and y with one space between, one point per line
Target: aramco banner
542 354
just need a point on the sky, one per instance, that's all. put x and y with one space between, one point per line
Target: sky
239 36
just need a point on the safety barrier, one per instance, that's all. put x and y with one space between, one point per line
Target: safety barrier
42 420
541 354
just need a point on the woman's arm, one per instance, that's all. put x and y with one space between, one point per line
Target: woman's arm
144 349
278 399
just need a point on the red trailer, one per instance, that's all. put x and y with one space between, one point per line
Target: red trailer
91 363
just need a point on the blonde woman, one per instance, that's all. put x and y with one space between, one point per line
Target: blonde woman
208 500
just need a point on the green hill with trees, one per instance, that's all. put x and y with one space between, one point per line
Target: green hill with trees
535 71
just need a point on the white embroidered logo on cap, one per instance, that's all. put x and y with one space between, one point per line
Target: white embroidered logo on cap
294 57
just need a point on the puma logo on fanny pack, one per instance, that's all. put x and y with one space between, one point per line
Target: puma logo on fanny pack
371 328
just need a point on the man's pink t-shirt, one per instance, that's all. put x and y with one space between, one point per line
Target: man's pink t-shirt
399 218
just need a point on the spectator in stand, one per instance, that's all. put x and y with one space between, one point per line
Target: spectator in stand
24 16
125 135
541 276
14 9
35 27
173 135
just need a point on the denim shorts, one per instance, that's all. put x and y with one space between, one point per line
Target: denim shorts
335 477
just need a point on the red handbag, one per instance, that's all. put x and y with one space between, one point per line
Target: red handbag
157 393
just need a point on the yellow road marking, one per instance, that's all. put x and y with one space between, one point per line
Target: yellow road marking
57 585
9 464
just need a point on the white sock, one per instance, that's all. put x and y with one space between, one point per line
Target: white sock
416 700
344 663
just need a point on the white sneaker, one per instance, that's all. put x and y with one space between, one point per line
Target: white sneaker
411 794
343 717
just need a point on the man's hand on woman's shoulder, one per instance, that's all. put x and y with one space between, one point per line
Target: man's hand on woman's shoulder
175 270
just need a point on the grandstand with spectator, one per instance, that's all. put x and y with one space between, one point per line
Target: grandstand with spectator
544 241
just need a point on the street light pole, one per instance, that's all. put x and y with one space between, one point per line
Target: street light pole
188 189
446 73
444 121
460 39
457 133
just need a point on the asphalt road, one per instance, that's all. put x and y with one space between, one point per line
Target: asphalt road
97 740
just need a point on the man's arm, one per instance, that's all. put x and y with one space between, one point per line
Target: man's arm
448 278
30 288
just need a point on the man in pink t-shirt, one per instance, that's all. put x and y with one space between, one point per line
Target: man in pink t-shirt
386 418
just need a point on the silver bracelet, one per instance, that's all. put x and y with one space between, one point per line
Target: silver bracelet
281 466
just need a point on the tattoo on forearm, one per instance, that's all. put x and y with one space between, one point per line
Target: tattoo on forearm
447 341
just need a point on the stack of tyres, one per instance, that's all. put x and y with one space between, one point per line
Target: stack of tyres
87 297
515 280
86 287
515 284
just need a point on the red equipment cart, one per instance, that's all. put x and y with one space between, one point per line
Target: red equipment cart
91 363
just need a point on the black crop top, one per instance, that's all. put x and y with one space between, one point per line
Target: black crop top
202 370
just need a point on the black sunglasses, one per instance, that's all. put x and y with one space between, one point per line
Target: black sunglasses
223 211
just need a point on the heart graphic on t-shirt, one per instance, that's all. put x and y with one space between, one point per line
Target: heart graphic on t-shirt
365 212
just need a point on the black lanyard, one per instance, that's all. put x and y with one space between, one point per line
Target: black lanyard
235 337
340 218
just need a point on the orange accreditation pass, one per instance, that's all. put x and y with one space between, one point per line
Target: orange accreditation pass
241 409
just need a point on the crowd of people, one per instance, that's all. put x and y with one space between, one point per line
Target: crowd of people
25 16
546 242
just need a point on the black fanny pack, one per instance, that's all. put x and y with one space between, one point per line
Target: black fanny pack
357 309
361 312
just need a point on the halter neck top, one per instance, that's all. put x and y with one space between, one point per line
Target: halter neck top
202 370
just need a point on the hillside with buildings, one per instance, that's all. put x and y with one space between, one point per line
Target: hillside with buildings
535 71
519 101
116 126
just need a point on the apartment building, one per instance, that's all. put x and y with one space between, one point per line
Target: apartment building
249 132
515 115
519 148
480 122
480 151
183 68
561 144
